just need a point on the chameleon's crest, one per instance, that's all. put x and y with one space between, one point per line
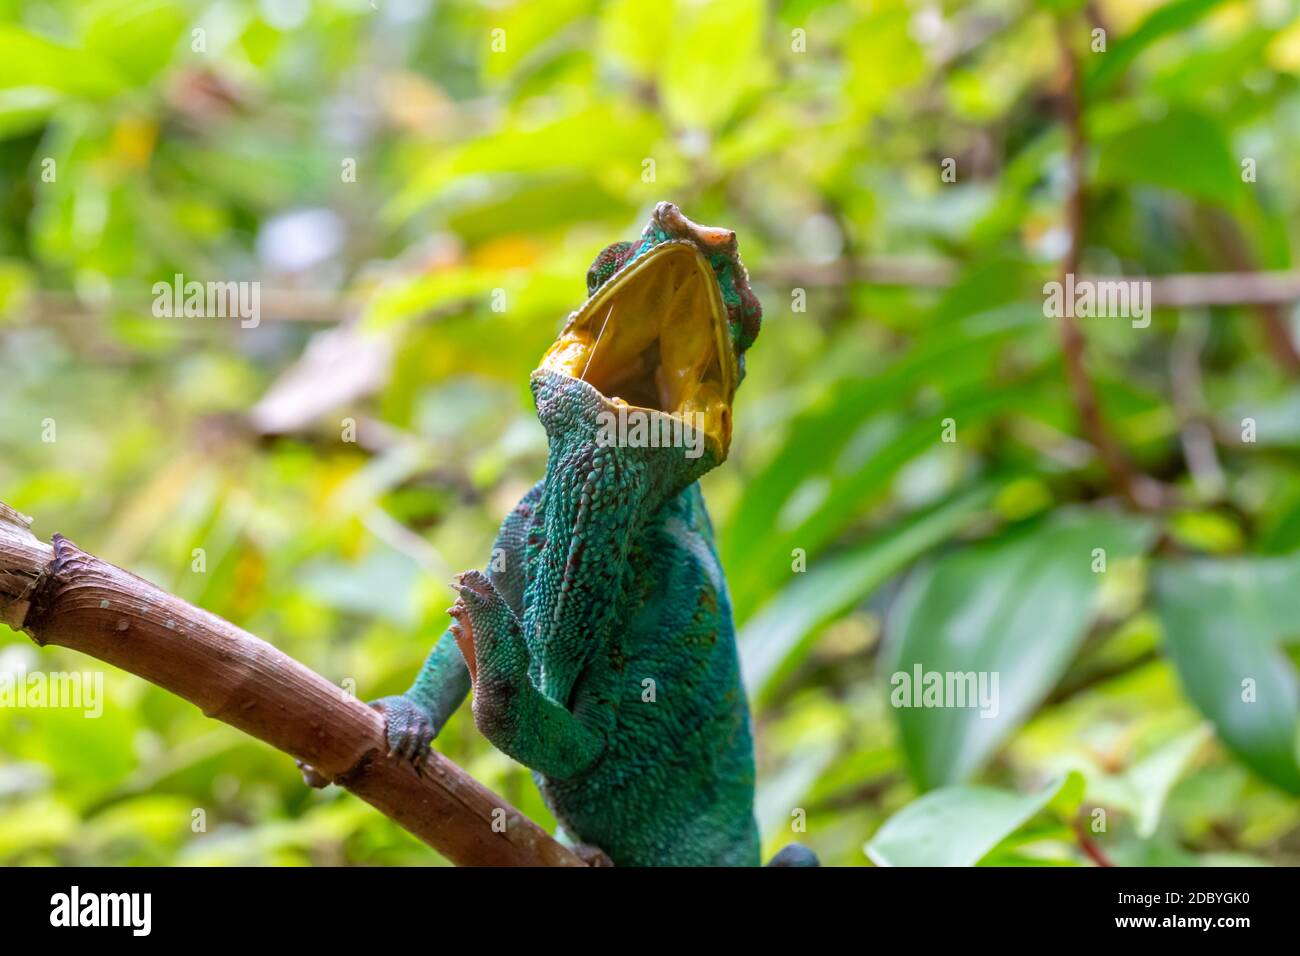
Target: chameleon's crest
666 324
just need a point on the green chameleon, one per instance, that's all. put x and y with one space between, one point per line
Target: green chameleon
599 643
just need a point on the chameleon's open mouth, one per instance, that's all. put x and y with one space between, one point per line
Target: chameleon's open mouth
655 338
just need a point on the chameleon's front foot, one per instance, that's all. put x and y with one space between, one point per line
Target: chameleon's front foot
487 632
508 709
409 728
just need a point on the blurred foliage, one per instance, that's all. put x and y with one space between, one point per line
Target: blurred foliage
393 174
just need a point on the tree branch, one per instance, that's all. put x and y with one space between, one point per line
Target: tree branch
61 595
1179 290
1138 488
1224 233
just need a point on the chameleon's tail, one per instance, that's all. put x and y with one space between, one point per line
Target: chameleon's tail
796 854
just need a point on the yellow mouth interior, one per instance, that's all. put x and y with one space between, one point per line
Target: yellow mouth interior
654 337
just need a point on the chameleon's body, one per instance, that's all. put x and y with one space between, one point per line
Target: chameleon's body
599 644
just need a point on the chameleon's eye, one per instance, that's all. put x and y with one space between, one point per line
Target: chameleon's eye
612 258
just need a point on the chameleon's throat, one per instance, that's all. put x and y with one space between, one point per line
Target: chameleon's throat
596 500
589 511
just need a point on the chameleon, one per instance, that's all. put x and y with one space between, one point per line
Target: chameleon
599 642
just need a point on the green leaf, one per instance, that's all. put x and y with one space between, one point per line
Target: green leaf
533 33
636 33
137 36
713 59
1172 18
590 140
1012 610
1225 623
23 108
960 826
789 786
28 60
31 824
1182 150
1152 778
847 445
776 638
883 57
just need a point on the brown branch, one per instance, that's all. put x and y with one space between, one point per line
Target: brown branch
1224 232
1090 847
1179 290
61 595
276 305
1249 287
1138 489
914 271
1200 289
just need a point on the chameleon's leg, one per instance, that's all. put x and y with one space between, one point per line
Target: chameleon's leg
416 717
509 710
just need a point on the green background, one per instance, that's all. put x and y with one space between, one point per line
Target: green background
420 195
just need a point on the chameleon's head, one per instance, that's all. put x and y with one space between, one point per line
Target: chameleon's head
663 331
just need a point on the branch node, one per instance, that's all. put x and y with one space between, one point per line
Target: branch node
353 773
39 597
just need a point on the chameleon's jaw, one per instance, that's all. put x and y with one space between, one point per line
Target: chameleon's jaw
655 338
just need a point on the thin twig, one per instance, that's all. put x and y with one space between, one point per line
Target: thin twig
1138 489
1226 234
1178 290
1090 847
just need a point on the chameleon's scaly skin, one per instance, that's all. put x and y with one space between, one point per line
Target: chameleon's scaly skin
602 654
